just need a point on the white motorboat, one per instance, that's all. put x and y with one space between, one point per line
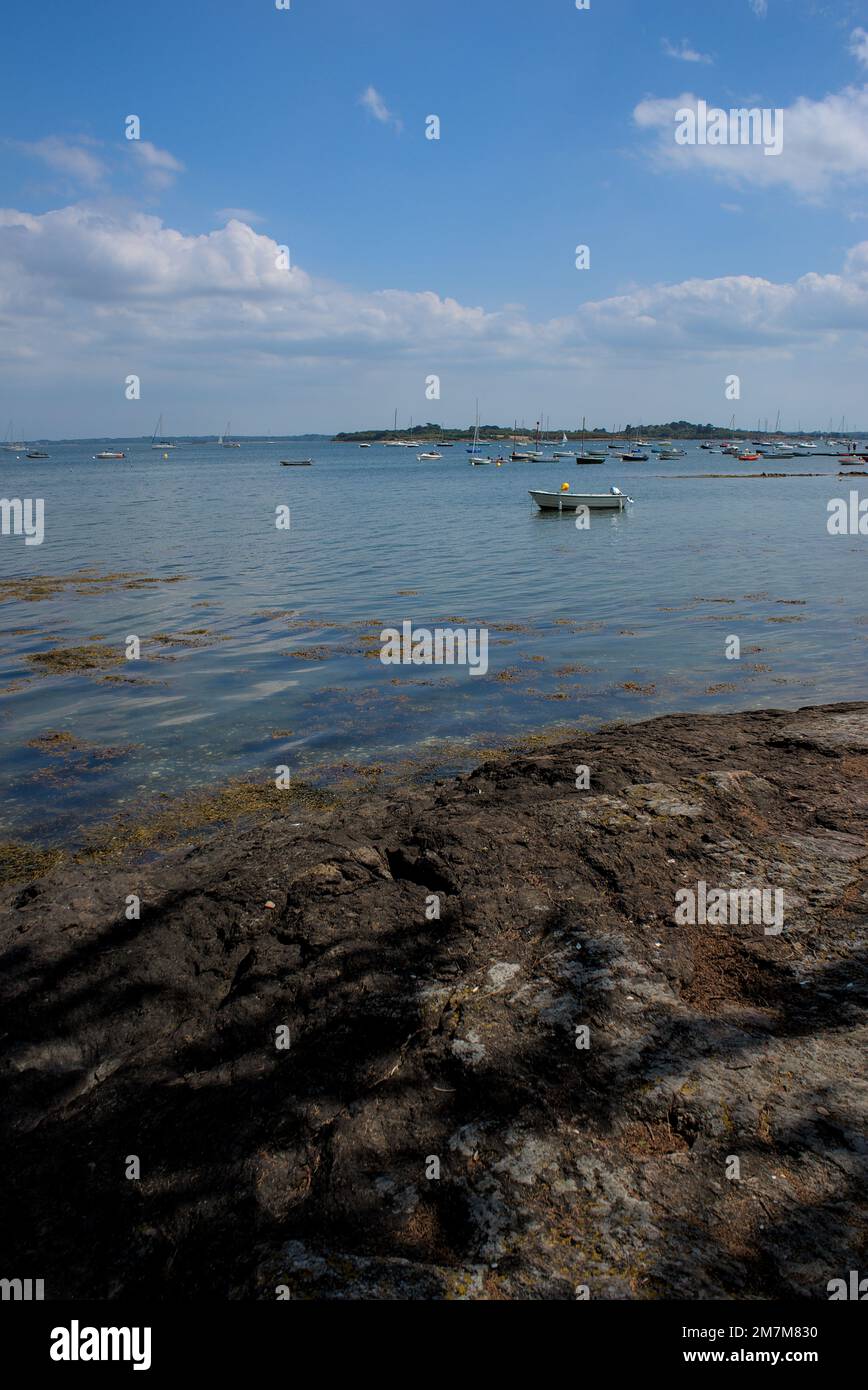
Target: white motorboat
429 456
564 501
109 454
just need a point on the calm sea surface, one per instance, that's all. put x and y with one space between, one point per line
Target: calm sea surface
266 651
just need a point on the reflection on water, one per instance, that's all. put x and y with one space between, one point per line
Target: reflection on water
260 643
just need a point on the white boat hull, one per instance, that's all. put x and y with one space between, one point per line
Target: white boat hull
571 501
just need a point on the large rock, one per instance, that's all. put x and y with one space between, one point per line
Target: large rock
418 1043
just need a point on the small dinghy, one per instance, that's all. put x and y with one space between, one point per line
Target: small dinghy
296 463
429 456
565 501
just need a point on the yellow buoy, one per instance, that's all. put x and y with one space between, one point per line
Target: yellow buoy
565 487
165 456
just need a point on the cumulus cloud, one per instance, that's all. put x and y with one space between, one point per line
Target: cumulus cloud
376 106
684 51
825 145
760 8
89 289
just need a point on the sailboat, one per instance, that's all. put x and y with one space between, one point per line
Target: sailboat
592 456
14 446
225 442
475 456
563 452
517 454
157 443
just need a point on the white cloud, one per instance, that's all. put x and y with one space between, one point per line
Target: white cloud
760 8
73 157
91 289
825 145
238 215
859 45
160 167
684 52
96 294
374 103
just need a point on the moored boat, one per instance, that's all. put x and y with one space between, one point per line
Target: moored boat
296 463
109 454
473 451
429 456
160 443
564 501
36 454
225 441
586 456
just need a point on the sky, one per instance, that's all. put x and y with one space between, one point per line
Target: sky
284 247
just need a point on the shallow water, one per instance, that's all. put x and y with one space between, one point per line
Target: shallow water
624 620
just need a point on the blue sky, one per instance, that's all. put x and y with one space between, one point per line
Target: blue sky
413 257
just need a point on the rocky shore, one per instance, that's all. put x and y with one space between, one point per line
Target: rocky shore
334 1092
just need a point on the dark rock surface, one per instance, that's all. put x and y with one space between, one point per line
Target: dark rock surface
455 1039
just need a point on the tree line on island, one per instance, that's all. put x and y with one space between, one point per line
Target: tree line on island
432 433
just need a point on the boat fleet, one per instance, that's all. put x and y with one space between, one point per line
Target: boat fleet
533 450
